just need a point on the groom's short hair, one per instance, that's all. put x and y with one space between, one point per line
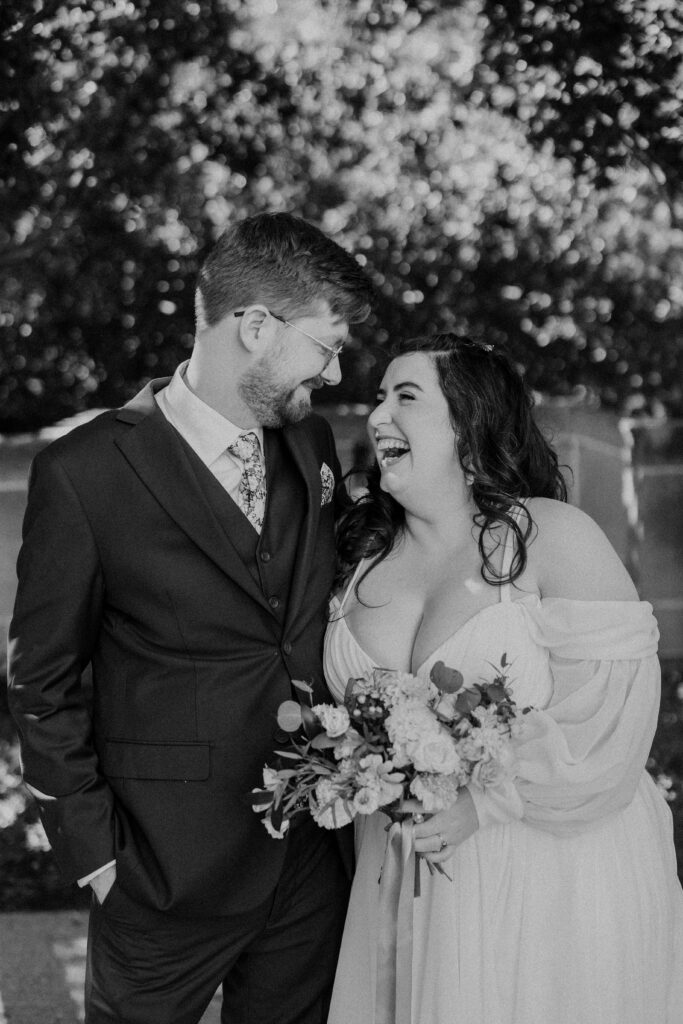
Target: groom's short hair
285 263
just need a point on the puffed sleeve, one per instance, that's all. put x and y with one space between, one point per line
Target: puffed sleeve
581 757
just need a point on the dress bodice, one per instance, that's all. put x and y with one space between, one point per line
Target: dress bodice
475 649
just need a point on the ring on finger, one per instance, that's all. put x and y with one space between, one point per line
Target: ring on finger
443 843
418 818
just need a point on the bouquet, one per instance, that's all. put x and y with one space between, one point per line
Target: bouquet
396 736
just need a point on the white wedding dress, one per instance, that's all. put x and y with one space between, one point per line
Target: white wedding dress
564 907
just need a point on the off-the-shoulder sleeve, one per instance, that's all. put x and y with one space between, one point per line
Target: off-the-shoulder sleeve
581 757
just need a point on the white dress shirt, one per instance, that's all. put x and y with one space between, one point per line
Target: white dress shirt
205 430
208 435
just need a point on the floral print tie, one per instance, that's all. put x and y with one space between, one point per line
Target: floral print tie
252 490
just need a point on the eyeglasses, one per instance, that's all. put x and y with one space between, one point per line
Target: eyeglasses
334 352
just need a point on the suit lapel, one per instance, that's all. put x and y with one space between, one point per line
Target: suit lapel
156 453
301 448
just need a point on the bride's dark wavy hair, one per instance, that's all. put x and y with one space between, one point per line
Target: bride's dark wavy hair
499 446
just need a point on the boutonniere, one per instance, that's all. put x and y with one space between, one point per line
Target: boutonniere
327 481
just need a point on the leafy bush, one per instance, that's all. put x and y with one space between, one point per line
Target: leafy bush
509 170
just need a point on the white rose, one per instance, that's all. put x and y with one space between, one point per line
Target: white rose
435 754
335 720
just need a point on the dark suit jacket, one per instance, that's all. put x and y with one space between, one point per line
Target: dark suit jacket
129 563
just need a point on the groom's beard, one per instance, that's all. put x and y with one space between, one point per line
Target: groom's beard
272 401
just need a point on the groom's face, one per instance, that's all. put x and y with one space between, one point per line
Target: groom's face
302 357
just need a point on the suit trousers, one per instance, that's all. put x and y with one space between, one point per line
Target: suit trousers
275 963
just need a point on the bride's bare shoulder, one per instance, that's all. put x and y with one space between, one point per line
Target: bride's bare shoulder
572 557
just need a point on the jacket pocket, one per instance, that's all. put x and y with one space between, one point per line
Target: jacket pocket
184 762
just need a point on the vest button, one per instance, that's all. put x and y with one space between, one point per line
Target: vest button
287 647
274 602
265 556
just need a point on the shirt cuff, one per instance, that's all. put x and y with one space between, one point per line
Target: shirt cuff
37 794
93 874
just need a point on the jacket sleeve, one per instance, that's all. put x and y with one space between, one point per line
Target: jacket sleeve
52 636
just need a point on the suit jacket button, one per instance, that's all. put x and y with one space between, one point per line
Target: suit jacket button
274 602
287 647
265 556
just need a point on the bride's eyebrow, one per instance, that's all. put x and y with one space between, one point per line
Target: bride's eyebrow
381 392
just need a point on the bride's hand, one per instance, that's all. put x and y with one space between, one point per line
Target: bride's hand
437 837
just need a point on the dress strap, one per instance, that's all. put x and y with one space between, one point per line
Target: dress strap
350 586
509 554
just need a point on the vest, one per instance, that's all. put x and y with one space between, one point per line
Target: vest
271 556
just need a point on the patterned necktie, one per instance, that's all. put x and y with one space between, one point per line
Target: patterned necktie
251 496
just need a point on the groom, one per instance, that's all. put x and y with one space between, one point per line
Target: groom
183 546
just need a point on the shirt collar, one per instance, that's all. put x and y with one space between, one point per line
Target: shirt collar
206 431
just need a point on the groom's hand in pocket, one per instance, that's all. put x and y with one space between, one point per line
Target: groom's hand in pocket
102 883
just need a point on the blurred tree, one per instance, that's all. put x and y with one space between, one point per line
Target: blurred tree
505 170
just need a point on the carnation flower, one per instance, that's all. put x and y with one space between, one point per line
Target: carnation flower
435 792
335 720
327 808
407 724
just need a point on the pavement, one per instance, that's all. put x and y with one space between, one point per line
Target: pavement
42 969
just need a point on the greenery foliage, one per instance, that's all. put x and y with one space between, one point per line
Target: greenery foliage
29 878
510 170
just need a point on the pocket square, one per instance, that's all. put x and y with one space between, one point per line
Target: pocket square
327 481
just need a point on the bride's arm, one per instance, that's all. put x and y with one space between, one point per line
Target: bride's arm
582 757
570 557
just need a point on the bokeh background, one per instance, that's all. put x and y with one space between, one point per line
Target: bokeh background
507 170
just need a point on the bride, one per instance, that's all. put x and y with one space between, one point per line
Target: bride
561 903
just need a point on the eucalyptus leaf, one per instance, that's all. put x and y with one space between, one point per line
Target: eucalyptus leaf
448 680
467 701
323 742
310 721
276 817
301 685
289 716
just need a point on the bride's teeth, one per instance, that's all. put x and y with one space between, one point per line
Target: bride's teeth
385 444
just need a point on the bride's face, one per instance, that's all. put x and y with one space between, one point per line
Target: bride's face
411 431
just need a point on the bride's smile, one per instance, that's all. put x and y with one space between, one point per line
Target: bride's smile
412 433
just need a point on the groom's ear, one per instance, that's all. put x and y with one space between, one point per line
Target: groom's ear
256 329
